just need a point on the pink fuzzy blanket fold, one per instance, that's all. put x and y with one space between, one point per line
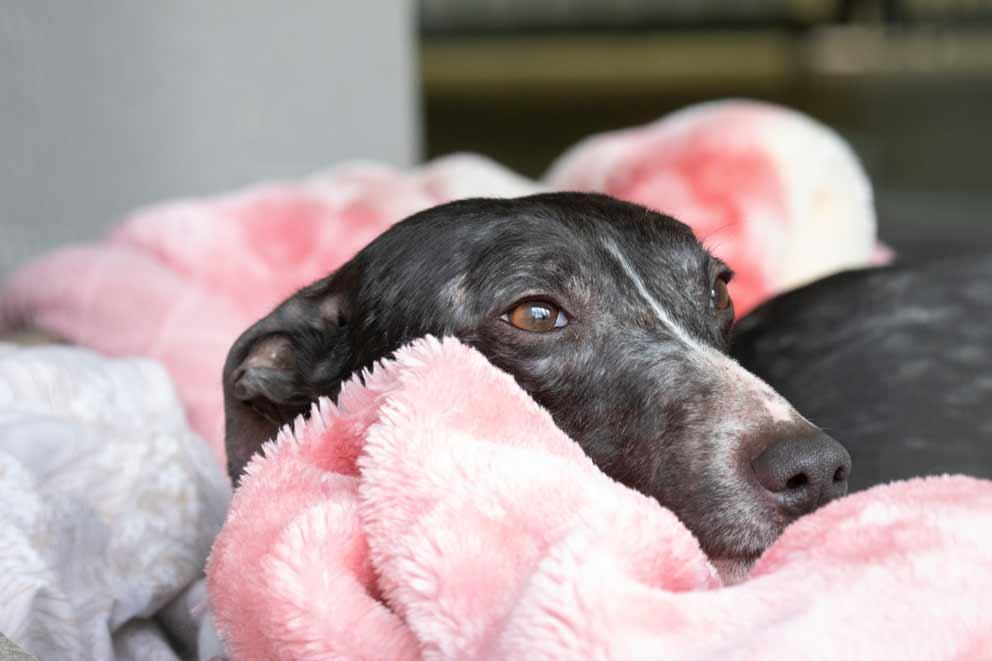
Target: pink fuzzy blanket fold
437 512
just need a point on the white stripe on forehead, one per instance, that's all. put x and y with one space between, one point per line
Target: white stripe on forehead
730 371
659 311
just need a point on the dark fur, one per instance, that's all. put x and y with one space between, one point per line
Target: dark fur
896 361
659 409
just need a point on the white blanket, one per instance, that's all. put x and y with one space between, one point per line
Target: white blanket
108 506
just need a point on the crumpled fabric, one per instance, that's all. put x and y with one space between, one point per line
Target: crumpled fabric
109 503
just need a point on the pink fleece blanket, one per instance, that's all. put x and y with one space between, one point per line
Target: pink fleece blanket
779 197
437 512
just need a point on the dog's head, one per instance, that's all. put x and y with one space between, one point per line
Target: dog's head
611 316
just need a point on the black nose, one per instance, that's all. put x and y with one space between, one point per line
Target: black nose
804 473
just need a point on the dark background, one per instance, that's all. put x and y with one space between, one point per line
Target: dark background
909 84
105 109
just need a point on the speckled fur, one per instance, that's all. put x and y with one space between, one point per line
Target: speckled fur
639 377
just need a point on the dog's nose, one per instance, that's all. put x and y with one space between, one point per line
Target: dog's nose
803 474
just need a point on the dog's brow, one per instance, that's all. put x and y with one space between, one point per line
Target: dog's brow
659 311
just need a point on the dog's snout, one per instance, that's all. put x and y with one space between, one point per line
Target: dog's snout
804 473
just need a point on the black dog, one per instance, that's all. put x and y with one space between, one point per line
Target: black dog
611 316
897 361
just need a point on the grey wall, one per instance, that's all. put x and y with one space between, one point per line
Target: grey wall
106 106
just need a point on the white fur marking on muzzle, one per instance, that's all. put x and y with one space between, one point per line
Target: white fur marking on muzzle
775 405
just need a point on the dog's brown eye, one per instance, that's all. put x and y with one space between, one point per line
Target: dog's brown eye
536 316
720 294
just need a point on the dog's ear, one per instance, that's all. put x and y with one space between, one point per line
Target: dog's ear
283 363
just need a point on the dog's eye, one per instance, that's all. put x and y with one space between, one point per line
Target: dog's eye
536 316
719 293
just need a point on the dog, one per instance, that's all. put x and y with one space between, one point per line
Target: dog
611 316
897 361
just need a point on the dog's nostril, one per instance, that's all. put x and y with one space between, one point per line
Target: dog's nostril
803 473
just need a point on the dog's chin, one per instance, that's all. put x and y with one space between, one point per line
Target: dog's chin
733 559
733 570
735 554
